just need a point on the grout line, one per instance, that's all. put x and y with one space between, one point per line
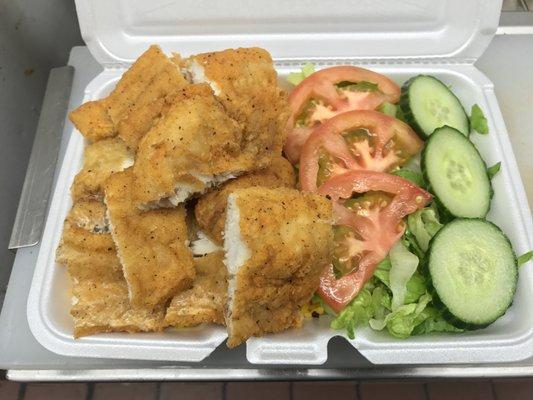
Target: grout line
158 390
426 390
90 391
493 390
291 394
22 391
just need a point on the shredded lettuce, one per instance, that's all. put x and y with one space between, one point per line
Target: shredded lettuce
401 322
524 258
434 322
423 225
295 78
356 314
494 169
389 109
410 242
382 272
410 175
403 266
478 122
361 86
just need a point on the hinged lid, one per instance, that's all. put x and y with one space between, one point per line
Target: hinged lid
118 31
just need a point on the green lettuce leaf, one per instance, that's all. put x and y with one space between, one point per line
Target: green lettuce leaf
494 169
524 258
381 306
356 314
389 109
295 78
361 86
416 287
434 322
401 322
410 175
382 272
403 266
423 225
478 122
409 241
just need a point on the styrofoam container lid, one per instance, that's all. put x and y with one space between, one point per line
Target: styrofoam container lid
118 31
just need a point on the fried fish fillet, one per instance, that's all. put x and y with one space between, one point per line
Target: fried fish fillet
152 245
194 146
204 302
100 160
142 84
89 215
210 211
245 82
100 292
151 105
277 243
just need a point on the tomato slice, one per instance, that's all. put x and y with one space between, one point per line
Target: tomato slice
369 226
329 92
356 140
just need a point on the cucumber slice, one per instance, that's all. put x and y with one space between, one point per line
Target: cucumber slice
428 104
456 174
473 271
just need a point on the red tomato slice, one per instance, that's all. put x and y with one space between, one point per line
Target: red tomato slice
320 97
372 226
356 140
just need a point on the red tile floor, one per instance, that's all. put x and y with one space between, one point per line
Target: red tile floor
496 389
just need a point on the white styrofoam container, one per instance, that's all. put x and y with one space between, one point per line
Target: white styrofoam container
397 38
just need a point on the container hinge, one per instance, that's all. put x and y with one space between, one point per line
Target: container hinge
330 61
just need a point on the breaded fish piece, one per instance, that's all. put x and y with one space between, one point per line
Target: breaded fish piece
89 215
100 160
152 245
210 211
100 292
194 146
204 302
245 82
151 105
99 119
277 243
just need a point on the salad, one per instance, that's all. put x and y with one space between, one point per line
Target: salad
413 253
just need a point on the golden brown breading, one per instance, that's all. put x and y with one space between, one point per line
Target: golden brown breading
210 211
204 302
152 245
100 160
151 105
245 81
89 215
99 119
195 145
288 241
100 293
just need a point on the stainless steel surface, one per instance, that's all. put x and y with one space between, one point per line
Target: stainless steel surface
29 221
34 37
227 374
513 5
516 23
